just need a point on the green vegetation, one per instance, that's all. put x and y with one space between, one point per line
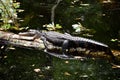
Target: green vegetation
8 11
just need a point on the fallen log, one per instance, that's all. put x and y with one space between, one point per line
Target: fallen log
31 42
8 38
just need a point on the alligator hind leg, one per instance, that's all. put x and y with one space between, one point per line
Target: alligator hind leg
65 48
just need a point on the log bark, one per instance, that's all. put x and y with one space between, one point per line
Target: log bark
8 38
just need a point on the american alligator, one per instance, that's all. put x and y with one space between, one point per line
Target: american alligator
67 41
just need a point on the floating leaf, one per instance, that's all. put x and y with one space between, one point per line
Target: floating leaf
84 4
67 74
58 26
37 70
114 40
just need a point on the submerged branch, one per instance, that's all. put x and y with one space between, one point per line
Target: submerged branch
53 12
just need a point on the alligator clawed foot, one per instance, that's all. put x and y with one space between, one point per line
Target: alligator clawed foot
66 56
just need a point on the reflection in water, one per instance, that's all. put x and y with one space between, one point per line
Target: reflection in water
84 70
35 65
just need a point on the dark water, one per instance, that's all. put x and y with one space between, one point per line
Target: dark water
22 64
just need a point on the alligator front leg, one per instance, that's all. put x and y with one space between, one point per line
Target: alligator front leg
44 42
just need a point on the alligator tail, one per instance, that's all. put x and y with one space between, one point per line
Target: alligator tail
113 58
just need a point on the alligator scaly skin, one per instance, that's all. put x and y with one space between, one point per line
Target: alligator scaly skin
57 38
73 41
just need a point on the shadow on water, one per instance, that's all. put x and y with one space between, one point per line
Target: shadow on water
23 64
